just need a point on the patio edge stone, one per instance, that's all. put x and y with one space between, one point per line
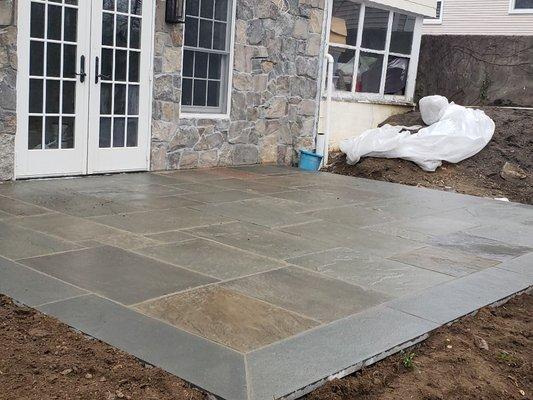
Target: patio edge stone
31 287
203 363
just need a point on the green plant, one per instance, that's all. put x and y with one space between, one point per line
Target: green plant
408 360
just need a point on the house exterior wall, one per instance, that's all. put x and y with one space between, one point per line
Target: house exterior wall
8 91
350 119
479 17
274 98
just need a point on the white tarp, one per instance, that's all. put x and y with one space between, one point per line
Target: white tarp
457 133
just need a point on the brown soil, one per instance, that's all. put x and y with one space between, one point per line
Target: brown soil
451 365
479 175
41 359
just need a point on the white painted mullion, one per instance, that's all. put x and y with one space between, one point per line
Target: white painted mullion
386 55
61 57
127 99
358 46
112 77
413 62
45 73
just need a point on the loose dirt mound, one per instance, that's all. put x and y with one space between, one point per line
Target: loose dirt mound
488 357
41 358
479 175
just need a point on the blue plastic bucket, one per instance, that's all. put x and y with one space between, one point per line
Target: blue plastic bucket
309 161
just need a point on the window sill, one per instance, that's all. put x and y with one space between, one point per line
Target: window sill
370 99
186 115
521 11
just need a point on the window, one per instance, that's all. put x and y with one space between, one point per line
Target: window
438 15
206 54
372 49
521 7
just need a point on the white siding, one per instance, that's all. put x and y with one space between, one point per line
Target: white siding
420 7
480 17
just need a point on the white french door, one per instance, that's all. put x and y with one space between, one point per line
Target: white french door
83 86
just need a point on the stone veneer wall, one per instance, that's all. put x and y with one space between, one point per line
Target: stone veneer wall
273 109
8 90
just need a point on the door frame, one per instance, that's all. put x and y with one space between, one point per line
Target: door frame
22 89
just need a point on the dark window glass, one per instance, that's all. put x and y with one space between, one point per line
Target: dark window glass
221 10
52 96
186 92
219 36
206 34
375 28
133 127
523 4
344 22
191 32
109 5
200 65
215 66
71 24
106 92
133 100
402 34
213 94
396 80
122 31
106 65
108 28
120 99
206 9
369 73
135 33
192 7
122 6
136 7
188 63
69 61
120 64
343 68
199 92
134 66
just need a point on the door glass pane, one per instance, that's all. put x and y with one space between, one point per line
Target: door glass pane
375 28
37 20
67 133
69 61
36 58
53 59
136 7
105 132
52 96
119 125
133 100
134 66
71 24
54 22
402 34
122 31
135 33
36 96
51 133
106 90
52 100
369 72
120 65
122 5
133 127
120 99
109 5
69 97
108 28
35 133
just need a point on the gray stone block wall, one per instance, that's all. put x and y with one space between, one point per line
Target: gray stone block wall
273 110
8 90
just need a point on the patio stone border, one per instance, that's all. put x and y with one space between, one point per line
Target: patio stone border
288 368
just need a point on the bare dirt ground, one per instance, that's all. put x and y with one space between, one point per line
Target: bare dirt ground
485 357
479 175
41 359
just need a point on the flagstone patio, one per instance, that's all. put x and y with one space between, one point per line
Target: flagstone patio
257 282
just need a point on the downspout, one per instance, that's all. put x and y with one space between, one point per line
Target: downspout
323 148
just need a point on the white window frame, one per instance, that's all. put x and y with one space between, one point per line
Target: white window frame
437 21
222 112
514 10
380 97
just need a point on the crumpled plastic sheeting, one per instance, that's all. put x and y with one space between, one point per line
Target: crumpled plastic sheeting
458 134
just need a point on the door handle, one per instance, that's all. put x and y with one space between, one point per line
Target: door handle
82 73
97 74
